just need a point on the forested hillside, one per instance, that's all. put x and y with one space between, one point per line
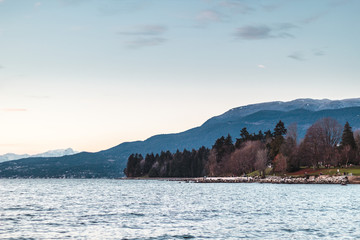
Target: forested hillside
326 144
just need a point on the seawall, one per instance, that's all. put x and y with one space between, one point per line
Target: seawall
323 179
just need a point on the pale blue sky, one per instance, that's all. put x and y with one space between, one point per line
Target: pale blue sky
90 74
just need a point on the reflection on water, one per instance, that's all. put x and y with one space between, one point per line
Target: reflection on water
115 209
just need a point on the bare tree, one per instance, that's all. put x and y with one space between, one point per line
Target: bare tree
291 134
261 160
320 141
357 141
346 154
357 138
280 163
332 131
289 148
212 167
243 159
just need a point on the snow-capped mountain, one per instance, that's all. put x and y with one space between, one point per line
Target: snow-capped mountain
263 116
51 153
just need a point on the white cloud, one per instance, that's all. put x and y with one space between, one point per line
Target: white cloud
37 4
261 66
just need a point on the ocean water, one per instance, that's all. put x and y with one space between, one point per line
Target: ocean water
142 209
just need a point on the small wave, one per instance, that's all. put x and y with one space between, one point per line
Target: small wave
137 214
166 236
17 209
22 238
186 236
54 224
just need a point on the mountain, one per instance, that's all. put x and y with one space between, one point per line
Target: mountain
51 153
12 156
264 116
56 153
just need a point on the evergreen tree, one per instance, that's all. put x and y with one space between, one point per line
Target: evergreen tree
279 129
149 161
277 140
268 134
347 138
244 134
228 144
219 148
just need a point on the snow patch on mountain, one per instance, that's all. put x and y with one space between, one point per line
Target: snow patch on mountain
51 153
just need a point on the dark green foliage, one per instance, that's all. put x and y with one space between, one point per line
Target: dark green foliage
179 164
348 137
228 145
246 136
223 146
319 147
225 159
111 162
268 134
134 167
219 148
81 165
348 146
277 140
279 129
149 161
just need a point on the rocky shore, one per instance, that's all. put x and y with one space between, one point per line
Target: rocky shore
322 179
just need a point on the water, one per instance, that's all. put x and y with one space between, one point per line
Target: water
115 209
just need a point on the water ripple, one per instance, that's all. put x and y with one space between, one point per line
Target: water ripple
113 209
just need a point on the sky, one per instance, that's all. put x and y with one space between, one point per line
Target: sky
91 74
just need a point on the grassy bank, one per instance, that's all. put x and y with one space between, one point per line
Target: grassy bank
353 170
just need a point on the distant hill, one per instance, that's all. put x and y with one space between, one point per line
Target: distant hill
51 153
264 116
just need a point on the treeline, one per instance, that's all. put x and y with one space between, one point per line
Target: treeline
167 164
326 143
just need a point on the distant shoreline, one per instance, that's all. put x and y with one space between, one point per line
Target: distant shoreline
323 179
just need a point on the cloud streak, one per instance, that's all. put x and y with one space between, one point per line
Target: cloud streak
264 32
236 6
306 55
253 32
144 36
319 53
145 42
297 56
147 30
208 16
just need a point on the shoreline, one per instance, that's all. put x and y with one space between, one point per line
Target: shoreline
323 179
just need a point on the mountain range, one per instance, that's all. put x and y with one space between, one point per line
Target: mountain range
263 116
51 153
